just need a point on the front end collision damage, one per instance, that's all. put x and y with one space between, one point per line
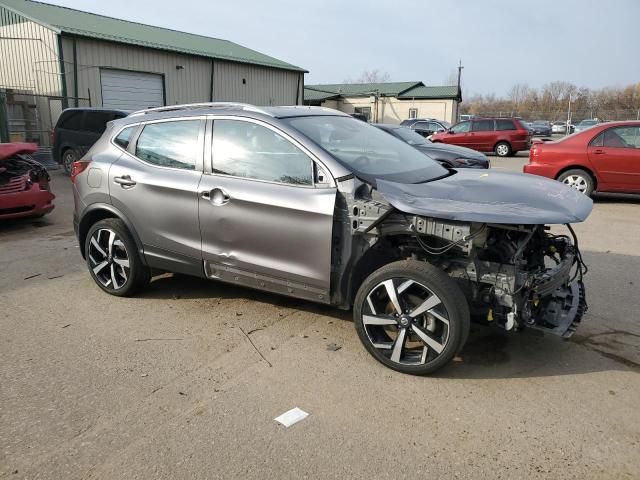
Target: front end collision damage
514 272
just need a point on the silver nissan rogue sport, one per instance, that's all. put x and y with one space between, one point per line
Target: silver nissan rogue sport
311 203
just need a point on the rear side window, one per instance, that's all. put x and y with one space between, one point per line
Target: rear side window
73 121
482 126
96 122
505 124
245 149
124 137
170 144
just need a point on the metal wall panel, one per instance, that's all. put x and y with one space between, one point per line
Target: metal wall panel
187 78
28 55
254 84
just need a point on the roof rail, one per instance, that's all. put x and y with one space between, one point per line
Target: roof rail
189 106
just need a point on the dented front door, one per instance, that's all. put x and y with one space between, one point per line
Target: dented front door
264 220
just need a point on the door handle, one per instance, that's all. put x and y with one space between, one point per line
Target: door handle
124 181
598 152
217 196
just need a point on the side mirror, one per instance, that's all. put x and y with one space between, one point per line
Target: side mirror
440 130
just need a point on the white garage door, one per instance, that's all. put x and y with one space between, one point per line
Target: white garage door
131 90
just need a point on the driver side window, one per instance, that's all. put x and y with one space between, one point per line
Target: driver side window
248 150
462 127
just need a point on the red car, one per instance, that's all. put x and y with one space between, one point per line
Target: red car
603 158
503 136
24 183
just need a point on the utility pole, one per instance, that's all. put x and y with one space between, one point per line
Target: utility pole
460 67
569 116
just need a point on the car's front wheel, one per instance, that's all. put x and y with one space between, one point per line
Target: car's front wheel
578 179
411 316
113 259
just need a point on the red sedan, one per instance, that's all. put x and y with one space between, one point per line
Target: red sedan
603 158
24 183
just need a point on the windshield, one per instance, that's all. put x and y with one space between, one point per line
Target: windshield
368 151
588 122
410 136
541 122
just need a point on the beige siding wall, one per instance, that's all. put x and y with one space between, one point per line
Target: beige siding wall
392 110
28 59
262 86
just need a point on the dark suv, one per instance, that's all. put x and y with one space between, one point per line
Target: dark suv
426 126
503 136
77 130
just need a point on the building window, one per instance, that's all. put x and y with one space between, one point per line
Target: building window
366 111
413 113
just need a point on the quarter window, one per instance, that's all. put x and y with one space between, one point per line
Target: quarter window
248 150
483 126
170 144
124 137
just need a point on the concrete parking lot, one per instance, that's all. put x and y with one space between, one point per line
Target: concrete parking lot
184 381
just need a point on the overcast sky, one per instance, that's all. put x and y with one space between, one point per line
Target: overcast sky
592 43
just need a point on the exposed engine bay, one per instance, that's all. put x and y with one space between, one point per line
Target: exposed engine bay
513 275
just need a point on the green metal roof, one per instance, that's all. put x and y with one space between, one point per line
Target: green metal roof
313 95
389 89
68 20
402 90
448 91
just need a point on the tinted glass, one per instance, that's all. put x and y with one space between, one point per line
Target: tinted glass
505 124
621 137
597 142
170 144
461 127
124 137
411 137
422 126
368 151
96 122
245 149
483 126
73 121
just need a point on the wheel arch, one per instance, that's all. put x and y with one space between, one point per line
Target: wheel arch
579 167
98 212
503 140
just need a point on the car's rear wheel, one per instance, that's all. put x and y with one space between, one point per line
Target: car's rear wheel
68 157
113 259
411 317
579 179
502 149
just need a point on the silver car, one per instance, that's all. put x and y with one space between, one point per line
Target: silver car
311 203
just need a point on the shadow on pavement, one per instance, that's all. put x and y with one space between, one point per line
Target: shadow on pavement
490 353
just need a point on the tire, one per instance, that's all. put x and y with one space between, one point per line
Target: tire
502 149
432 337
68 157
113 259
579 179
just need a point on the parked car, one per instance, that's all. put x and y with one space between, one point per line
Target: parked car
584 124
559 127
603 158
314 204
360 116
503 136
77 129
24 183
426 126
541 128
450 156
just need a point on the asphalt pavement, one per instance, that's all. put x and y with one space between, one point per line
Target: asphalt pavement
184 380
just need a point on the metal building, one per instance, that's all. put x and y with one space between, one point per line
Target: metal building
54 57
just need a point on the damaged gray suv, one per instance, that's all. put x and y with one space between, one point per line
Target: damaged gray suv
314 204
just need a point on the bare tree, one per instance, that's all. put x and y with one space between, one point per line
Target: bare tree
371 76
